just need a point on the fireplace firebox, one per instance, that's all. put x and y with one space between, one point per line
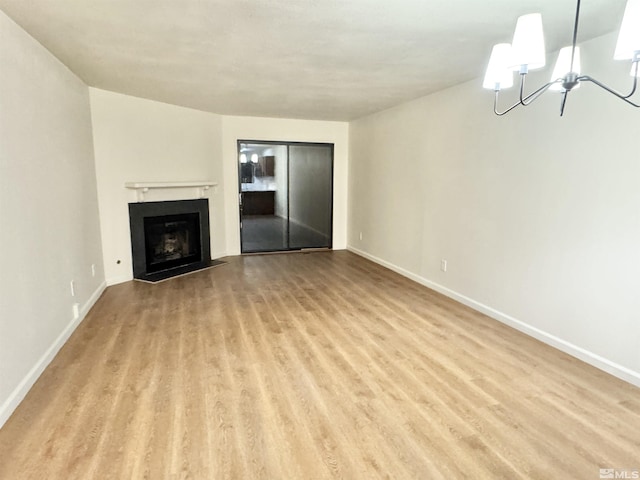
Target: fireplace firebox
169 238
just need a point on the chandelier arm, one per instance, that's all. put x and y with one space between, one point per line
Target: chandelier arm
529 99
587 78
523 76
633 90
495 106
526 101
635 79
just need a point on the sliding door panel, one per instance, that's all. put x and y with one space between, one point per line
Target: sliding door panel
310 196
264 197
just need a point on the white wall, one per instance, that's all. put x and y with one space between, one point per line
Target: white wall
139 140
538 216
48 210
278 129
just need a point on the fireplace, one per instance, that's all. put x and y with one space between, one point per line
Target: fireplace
169 238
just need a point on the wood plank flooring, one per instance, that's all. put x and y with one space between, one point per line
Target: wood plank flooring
312 366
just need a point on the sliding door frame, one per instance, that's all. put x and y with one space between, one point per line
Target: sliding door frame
287 144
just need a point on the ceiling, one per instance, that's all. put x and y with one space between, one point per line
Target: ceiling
322 59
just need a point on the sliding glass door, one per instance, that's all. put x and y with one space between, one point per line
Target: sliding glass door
310 196
286 192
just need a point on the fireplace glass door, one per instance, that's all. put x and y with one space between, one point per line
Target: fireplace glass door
171 240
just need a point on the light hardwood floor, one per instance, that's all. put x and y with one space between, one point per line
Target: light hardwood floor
312 366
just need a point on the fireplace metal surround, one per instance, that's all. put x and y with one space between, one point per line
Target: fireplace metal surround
179 258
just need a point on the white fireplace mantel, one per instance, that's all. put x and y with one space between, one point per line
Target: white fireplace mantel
143 187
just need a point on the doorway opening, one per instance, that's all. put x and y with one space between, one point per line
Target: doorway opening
286 195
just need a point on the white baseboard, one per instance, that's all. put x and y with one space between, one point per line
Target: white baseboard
29 380
586 356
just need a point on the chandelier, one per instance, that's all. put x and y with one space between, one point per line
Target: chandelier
527 53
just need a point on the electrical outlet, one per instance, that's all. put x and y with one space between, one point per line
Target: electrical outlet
93 270
76 311
72 284
360 235
443 265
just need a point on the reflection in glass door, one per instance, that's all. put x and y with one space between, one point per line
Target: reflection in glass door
285 196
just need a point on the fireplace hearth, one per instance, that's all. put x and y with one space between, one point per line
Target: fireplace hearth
169 238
